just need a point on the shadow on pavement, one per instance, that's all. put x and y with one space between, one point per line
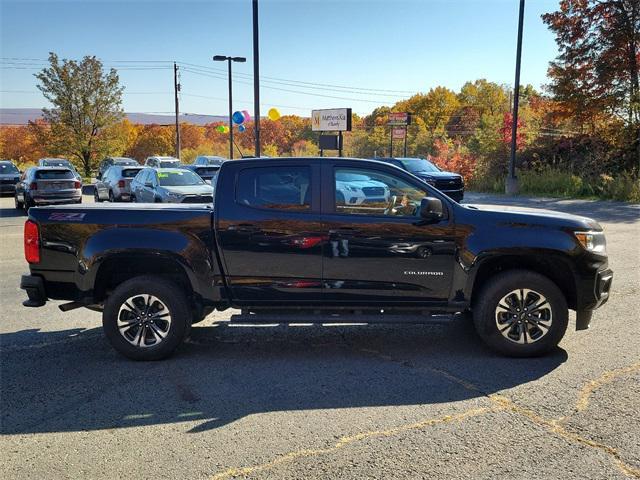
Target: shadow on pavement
73 381
601 210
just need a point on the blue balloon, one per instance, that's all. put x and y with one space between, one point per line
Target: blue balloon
238 118
242 128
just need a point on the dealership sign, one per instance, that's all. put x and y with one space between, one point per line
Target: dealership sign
399 133
331 120
399 118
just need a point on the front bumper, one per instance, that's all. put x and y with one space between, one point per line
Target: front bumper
456 195
7 188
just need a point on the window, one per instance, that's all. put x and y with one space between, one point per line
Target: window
54 175
279 188
130 172
8 168
372 192
176 178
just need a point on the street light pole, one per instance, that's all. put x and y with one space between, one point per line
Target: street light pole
223 58
230 111
511 185
256 79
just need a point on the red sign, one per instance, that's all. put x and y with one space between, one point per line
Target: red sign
399 133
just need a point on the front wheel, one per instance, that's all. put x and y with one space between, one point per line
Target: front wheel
112 199
146 318
521 314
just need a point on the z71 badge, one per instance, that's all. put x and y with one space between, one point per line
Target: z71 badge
66 217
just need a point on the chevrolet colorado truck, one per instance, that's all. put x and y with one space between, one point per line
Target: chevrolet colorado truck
280 243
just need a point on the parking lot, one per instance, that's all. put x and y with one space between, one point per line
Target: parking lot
322 401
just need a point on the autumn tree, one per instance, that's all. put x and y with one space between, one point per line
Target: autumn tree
85 100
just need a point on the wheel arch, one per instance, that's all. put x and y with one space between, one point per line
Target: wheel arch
552 266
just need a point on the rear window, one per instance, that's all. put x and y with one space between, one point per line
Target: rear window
168 163
130 172
207 170
125 162
54 175
280 188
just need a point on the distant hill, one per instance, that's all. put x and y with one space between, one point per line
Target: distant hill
21 116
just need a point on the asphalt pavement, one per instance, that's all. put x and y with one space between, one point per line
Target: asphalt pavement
338 402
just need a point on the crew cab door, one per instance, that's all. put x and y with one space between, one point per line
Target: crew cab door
268 231
379 250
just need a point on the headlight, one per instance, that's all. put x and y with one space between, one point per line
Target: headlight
592 241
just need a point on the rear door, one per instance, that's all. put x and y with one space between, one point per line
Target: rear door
379 251
269 233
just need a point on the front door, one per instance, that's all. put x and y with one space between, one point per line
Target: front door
379 250
269 233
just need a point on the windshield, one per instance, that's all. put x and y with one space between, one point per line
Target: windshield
417 165
169 163
125 162
212 160
176 178
8 168
130 172
54 175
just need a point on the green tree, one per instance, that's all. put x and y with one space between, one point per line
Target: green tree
86 102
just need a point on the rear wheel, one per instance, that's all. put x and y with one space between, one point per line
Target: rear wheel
96 197
17 202
521 313
146 318
27 204
111 197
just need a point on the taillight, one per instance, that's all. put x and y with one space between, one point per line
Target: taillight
77 184
33 186
31 242
120 183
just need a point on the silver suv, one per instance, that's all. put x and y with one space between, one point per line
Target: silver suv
114 184
47 185
162 162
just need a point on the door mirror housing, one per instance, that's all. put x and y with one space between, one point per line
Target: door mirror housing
431 209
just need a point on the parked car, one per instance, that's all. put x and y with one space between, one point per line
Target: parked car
162 162
47 185
153 270
353 188
206 166
169 185
9 176
449 183
59 162
111 161
115 183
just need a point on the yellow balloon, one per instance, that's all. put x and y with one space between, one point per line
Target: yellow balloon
273 114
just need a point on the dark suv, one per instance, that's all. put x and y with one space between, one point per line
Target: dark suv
449 183
9 176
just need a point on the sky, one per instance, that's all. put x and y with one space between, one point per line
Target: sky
349 53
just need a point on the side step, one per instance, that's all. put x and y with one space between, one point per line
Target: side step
320 318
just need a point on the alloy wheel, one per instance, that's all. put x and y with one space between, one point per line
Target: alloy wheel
523 316
144 320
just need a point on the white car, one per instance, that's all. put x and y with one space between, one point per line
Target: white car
356 189
162 162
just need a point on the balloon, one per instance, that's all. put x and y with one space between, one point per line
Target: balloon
237 118
226 129
273 114
242 128
247 117
220 128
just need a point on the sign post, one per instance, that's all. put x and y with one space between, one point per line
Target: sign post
331 120
398 121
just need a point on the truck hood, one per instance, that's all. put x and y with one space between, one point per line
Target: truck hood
523 216
437 175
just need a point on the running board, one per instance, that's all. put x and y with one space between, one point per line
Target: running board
321 318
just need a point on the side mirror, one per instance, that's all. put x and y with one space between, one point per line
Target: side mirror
431 209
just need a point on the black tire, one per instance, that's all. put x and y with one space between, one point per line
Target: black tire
27 204
487 314
96 198
132 199
168 294
112 199
17 203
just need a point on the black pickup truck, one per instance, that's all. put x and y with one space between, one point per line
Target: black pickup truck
318 240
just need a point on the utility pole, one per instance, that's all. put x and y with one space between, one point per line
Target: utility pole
230 112
256 79
176 89
511 185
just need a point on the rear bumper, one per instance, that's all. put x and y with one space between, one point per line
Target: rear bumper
52 199
34 286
